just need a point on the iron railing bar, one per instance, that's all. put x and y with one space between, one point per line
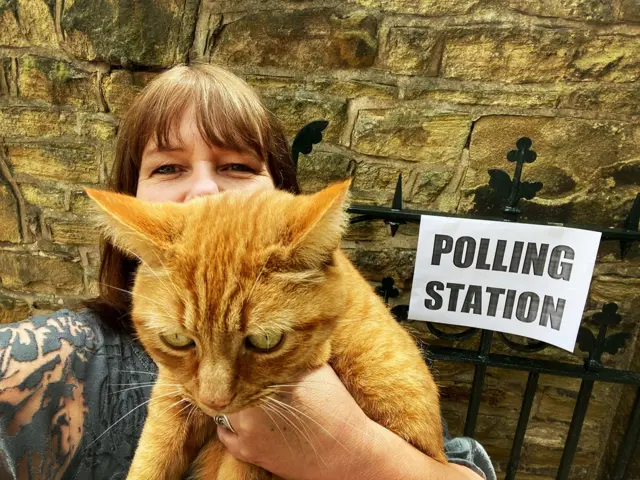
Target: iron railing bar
579 413
629 442
609 375
478 385
521 429
385 213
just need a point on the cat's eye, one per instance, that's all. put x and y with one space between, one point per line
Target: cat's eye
177 340
264 343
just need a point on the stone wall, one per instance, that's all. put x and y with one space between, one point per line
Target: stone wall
436 90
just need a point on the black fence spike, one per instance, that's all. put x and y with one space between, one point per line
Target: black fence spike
631 222
396 204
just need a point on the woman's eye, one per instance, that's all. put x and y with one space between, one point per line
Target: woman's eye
239 167
166 170
177 340
264 343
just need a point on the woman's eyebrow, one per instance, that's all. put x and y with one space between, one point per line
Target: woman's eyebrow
165 149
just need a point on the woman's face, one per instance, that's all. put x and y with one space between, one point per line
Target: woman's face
192 168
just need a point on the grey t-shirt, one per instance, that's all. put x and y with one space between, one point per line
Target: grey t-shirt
76 358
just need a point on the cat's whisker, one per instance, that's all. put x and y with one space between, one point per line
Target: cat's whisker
294 409
175 404
138 371
290 388
350 425
191 412
266 408
189 404
282 411
133 294
259 275
130 384
175 288
127 414
156 275
130 388
142 385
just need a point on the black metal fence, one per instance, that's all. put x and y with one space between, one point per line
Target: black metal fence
509 191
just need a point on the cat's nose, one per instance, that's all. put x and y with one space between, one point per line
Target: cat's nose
218 403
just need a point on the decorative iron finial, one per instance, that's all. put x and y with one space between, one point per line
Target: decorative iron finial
306 138
595 347
631 222
514 190
387 289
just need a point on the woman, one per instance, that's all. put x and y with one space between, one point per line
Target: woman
73 386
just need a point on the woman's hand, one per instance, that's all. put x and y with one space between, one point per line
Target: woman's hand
315 430
311 430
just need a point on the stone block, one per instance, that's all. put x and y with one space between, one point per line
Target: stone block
411 134
128 32
100 126
13 310
294 112
43 196
569 151
80 231
629 11
412 51
590 10
34 122
421 7
33 273
216 7
120 88
507 54
12 35
516 55
608 59
80 203
319 169
619 98
376 182
28 23
9 220
352 89
56 82
430 185
385 260
557 404
68 164
304 40
525 96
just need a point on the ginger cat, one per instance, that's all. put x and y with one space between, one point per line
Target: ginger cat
242 290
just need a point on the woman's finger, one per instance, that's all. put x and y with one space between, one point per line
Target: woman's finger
233 444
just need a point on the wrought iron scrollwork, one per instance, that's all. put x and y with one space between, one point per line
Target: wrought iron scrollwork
522 347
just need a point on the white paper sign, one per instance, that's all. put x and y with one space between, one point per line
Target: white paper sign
529 280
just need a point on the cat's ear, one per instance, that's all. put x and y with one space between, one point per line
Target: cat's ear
319 224
140 228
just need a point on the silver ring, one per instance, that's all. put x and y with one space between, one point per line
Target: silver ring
223 421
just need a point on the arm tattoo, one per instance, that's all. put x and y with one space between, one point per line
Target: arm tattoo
43 364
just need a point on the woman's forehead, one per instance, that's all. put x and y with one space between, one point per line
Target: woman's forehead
186 130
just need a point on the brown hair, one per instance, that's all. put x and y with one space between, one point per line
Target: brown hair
229 115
